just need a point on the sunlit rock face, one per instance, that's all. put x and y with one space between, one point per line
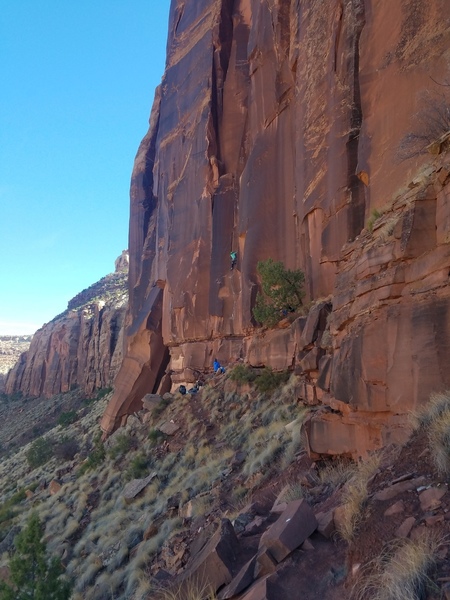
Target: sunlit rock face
276 131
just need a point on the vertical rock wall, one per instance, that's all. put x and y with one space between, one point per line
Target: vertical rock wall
275 133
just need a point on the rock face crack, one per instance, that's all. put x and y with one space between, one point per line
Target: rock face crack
355 185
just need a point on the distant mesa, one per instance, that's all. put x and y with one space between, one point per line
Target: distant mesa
122 262
81 347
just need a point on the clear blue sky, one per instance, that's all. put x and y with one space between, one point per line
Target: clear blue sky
77 85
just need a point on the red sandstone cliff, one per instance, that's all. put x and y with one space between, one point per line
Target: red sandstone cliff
277 129
80 347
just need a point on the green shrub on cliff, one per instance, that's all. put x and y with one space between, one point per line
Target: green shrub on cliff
269 380
282 292
265 380
243 374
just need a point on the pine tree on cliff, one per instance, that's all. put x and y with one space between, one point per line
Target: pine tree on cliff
32 575
282 292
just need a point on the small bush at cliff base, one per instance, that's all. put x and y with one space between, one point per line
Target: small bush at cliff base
269 380
282 292
242 374
265 380
33 575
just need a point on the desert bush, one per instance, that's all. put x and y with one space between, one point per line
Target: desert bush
265 380
33 574
66 448
7 509
374 216
103 392
138 467
355 496
402 571
268 380
282 292
242 374
156 436
96 456
434 418
67 418
431 121
40 452
158 410
122 445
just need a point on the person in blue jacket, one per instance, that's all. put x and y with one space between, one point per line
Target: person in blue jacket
217 367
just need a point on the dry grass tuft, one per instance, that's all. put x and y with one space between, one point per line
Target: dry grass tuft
189 591
402 571
435 419
337 473
295 491
354 497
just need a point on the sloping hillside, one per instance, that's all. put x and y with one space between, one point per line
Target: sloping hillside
138 516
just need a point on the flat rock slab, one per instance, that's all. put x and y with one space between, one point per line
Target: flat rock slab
310 331
151 401
398 488
266 588
241 582
168 427
135 487
431 498
290 530
395 509
54 487
213 566
326 524
405 528
265 563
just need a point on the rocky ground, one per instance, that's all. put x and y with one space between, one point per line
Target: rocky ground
214 489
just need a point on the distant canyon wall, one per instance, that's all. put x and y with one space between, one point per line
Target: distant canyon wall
277 131
82 347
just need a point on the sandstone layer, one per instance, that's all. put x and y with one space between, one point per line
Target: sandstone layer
278 128
82 347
